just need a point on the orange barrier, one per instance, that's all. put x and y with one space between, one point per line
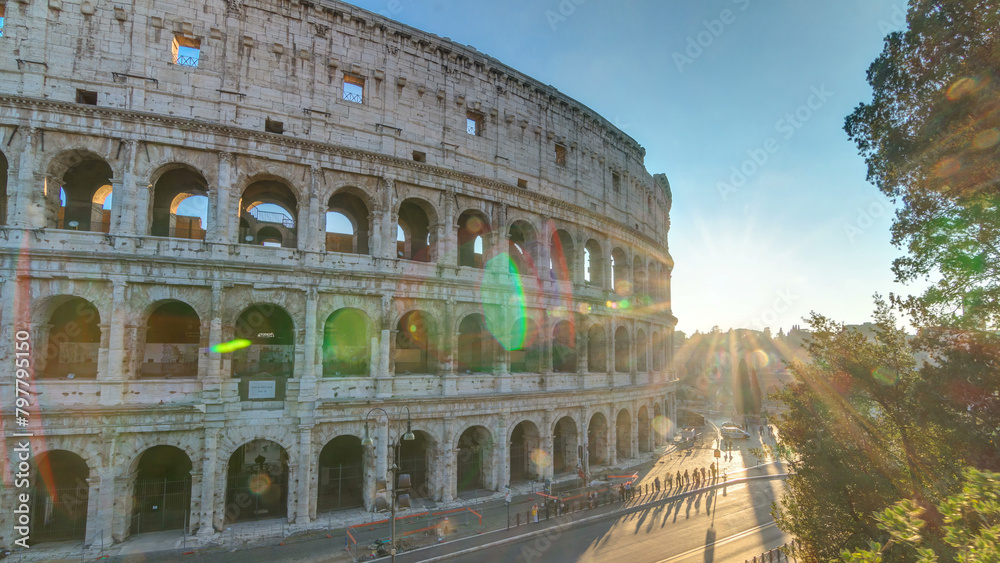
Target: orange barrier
351 537
477 514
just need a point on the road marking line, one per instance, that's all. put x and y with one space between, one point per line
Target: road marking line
723 541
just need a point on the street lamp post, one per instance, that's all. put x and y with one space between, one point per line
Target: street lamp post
368 441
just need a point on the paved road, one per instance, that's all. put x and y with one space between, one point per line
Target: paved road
729 524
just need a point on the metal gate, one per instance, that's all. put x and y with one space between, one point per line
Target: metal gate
559 454
160 504
416 468
340 487
518 461
258 492
59 514
470 468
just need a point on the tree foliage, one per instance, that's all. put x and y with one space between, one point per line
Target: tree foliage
931 139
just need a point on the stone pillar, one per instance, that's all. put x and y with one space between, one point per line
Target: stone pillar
303 477
128 215
583 439
544 251
25 195
613 437
502 445
446 463
447 245
545 434
582 352
224 222
194 510
449 347
312 227
610 356
212 514
386 209
307 374
634 446
98 530
384 374
111 359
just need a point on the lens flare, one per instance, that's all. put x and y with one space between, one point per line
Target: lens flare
986 139
231 346
623 288
516 307
760 358
662 426
885 376
540 458
961 87
259 484
947 166
584 309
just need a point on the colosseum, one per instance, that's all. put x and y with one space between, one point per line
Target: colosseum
241 239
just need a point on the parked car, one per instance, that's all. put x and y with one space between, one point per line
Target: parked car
734 433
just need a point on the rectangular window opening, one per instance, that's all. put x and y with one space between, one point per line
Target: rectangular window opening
354 88
419 156
616 182
522 183
274 126
474 123
2 16
186 51
86 97
561 155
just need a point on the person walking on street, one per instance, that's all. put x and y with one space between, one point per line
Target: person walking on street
534 513
621 492
679 482
656 484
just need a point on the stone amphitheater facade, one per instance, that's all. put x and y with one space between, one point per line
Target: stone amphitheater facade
240 237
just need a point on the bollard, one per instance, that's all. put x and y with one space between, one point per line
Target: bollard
517 519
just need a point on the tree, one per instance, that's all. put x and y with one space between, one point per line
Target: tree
973 524
931 139
860 438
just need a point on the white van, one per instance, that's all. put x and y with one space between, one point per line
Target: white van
734 433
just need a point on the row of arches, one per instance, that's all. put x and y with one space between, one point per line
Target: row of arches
173 341
159 483
79 195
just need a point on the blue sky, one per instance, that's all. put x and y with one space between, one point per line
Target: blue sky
741 103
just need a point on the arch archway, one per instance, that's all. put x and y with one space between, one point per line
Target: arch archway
180 205
623 434
526 349
476 345
348 223
162 491
475 448
59 497
620 282
415 226
597 440
645 445
562 256
525 440
593 264
415 460
597 349
269 211
257 482
473 228
623 361
73 340
565 456
413 333
341 474
564 347
641 354
345 343
272 342
521 247
82 202
173 336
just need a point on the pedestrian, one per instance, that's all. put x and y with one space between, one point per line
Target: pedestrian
534 513
628 490
679 482
704 474
621 492
687 477
656 484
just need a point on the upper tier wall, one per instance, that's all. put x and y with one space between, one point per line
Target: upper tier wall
286 62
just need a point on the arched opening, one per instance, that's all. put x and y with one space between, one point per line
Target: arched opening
180 205
597 440
593 264
564 347
476 345
348 224
641 362
639 288
645 445
623 434
84 197
619 273
3 189
597 349
415 460
173 335
623 363
657 351
412 343
526 349
520 247
474 449
345 343
415 227
561 256
268 210
257 482
341 474
272 342
525 452
472 230
564 446
59 497
74 340
162 498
